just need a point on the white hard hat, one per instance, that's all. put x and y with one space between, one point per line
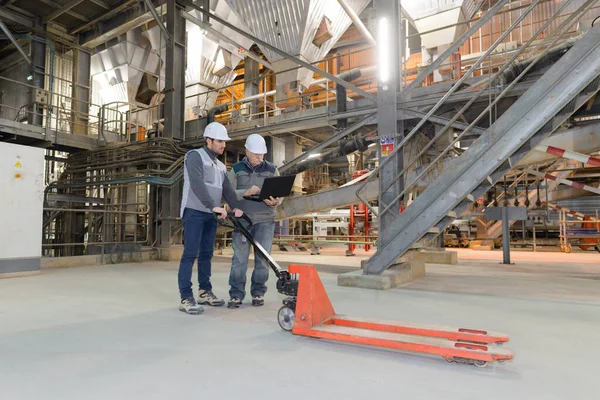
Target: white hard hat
256 144
215 130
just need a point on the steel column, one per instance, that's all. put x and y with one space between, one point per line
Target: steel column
35 116
175 73
173 111
81 91
387 109
251 87
505 236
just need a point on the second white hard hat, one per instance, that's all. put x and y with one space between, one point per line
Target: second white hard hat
256 144
215 130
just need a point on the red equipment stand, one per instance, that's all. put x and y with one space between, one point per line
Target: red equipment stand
315 317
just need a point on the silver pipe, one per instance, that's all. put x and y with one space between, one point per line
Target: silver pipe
359 24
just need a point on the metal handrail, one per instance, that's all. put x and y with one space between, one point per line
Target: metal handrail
443 99
449 147
566 24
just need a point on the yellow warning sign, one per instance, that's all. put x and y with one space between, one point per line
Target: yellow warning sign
18 164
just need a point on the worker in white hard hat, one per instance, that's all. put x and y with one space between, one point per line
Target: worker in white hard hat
205 183
247 177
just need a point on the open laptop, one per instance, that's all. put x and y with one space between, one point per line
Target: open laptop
276 186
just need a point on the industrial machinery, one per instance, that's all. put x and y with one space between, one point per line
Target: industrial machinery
307 311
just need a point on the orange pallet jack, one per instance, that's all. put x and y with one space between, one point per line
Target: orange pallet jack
307 311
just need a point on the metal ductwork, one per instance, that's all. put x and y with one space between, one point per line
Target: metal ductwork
547 60
216 110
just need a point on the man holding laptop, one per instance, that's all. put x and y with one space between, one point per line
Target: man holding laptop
256 199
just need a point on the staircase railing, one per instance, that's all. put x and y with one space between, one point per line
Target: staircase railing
546 44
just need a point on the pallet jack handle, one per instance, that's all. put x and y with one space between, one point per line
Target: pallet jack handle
243 225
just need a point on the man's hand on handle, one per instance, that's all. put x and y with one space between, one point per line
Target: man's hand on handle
222 213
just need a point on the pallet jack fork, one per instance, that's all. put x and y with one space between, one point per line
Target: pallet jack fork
307 311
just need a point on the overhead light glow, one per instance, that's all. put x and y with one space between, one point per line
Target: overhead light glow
314 155
383 51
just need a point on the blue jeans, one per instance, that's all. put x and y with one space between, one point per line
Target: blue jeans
262 232
199 233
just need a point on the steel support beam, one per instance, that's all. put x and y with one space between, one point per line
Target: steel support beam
81 91
37 71
14 42
16 18
387 111
281 52
62 10
357 22
70 12
410 113
175 72
252 83
101 4
118 21
340 197
158 20
173 111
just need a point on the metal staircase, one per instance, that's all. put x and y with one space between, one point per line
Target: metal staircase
568 85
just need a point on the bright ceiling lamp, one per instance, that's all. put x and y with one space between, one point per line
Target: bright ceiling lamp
383 51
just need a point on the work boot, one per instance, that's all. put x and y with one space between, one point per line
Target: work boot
258 301
208 297
190 306
234 302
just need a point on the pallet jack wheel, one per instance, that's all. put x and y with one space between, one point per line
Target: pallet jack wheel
285 317
562 248
568 248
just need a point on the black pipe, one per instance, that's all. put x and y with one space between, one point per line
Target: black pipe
340 95
548 59
216 110
350 145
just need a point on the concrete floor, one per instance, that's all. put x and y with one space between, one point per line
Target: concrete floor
114 331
